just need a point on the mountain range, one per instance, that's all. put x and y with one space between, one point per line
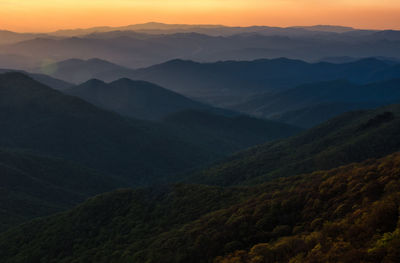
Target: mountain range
172 143
285 90
43 78
350 212
156 43
57 149
136 99
229 83
310 104
351 137
37 117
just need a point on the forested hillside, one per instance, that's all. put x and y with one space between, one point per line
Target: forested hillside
347 214
57 150
33 186
36 117
311 104
351 137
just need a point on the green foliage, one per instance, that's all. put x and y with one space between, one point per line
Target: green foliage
347 214
113 226
32 186
352 137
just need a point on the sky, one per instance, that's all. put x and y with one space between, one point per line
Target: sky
50 15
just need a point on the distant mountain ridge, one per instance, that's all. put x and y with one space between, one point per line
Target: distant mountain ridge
310 104
137 48
228 83
46 121
136 99
78 70
221 82
43 78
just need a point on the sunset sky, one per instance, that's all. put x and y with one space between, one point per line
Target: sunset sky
48 15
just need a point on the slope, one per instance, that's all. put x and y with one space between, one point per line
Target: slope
231 82
41 119
43 78
78 70
49 122
321 99
33 186
234 132
136 99
348 214
351 137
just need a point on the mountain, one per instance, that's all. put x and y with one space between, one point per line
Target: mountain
58 149
9 37
311 104
36 117
136 49
234 132
347 59
16 61
150 27
42 78
344 214
215 30
311 116
229 83
78 70
224 83
351 137
327 28
136 99
35 186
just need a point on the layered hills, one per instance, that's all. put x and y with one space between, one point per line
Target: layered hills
136 99
229 83
344 214
58 149
144 45
310 104
44 120
351 137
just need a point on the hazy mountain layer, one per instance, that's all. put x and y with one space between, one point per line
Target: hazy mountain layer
136 99
145 48
311 104
61 149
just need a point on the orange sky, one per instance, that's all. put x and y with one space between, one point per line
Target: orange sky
49 15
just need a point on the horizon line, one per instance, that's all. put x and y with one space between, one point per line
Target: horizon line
194 25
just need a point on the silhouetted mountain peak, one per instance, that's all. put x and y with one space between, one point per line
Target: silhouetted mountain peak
71 61
18 82
14 75
98 60
94 83
127 81
180 62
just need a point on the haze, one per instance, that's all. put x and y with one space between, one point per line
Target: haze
48 15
